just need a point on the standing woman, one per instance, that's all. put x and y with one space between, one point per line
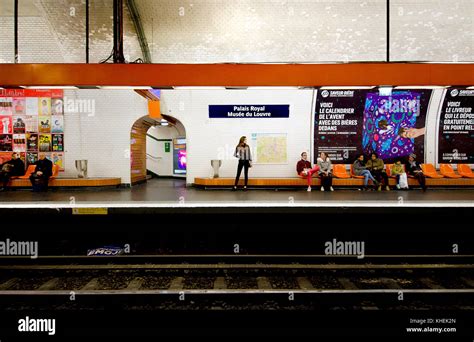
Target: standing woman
242 151
325 172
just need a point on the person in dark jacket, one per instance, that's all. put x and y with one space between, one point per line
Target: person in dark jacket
413 168
304 169
242 151
44 169
376 167
360 169
11 168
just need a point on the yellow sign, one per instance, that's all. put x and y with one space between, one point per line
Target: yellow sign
89 211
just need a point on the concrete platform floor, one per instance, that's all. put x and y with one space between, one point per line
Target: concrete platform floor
173 193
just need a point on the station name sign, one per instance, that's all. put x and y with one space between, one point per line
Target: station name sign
249 111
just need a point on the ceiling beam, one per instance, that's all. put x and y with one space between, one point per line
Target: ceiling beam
303 75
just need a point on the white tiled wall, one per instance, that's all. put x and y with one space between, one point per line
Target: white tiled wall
209 139
104 137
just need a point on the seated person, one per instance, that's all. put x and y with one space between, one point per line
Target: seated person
398 172
375 166
44 169
325 172
11 168
303 168
413 168
360 169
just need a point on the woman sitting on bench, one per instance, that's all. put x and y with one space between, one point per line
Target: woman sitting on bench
303 168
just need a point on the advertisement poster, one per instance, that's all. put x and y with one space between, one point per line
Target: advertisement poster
58 142
44 124
57 124
57 107
456 127
6 126
394 125
352 121
19 125
32 142
31 124
31 106
31 158
270 148
6 106
179 156
58 159
19 142
6 142
19 106
27 123
44 104
45 142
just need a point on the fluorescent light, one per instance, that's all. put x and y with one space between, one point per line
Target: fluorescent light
127 87
348 87
385 91
472 87
48 87
421 87
197 88
273 88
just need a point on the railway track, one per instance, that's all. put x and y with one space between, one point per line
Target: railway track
228 282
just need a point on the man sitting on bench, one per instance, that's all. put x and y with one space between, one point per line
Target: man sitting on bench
44 169
11 168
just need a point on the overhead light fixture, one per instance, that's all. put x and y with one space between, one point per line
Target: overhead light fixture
272 88
385 91
48 87
420 87
197 88
347 87
471 87
126 87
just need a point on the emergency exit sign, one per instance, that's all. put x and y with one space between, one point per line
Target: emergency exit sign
167 147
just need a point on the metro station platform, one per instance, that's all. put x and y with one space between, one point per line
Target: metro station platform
172 193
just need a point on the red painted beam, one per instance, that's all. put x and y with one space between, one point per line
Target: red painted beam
167 75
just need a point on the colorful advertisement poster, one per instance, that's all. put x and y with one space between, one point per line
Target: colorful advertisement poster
353 121
57 124
394 125
179 156
456 127
31 158
32 106
58 159
57 107
6 126
19 125
6 106
32 142
6 142
19 142
45 144
58 144
44 104
44 124
31 124
19 106
27 123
